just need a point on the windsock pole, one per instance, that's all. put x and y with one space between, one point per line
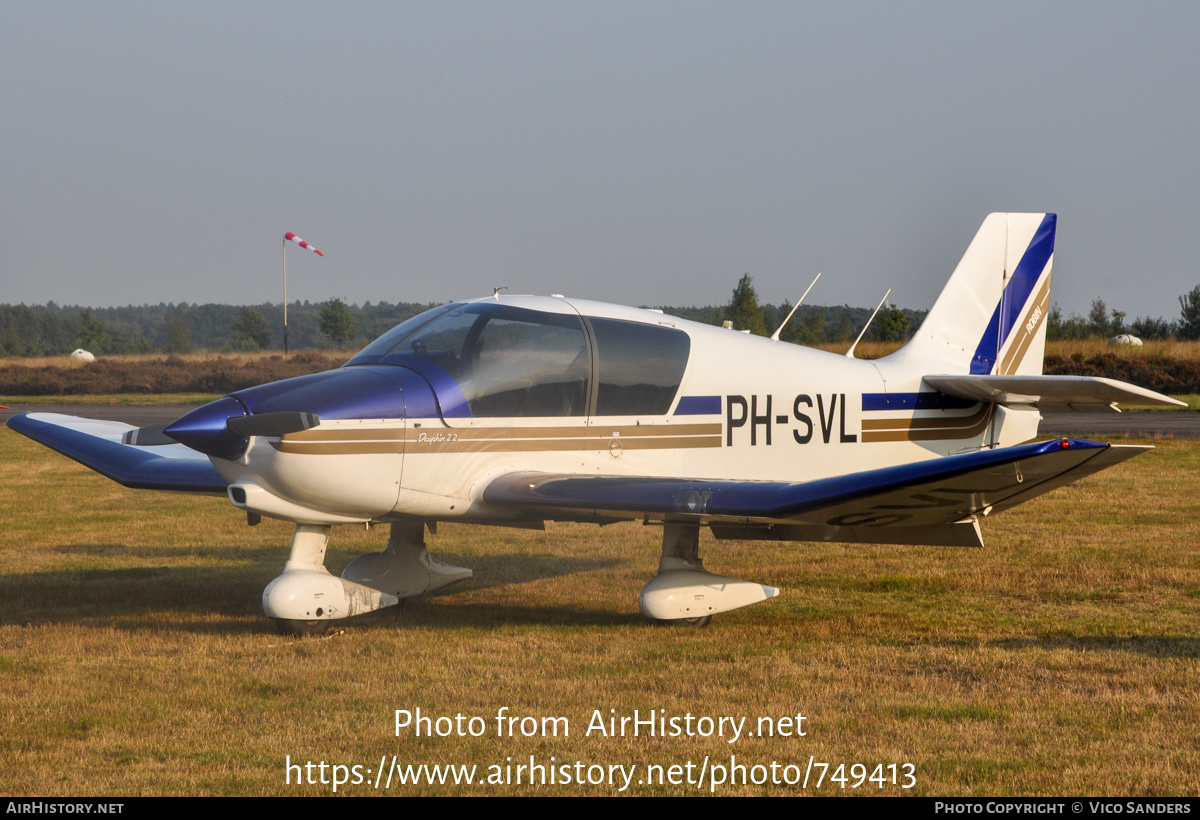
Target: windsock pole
291 237
285 338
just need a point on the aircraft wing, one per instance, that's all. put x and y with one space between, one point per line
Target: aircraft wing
98 445
1050 392
930 502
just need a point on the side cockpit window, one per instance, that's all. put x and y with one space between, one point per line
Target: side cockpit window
529 366
640 367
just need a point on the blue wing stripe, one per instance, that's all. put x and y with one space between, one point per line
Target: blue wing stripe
135 467
755 499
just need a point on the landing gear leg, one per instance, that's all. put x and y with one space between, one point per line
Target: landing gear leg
405 569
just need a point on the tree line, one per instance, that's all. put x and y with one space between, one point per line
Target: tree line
1106 323
813 325
50 329
810 324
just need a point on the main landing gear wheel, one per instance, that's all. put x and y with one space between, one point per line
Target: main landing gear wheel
287 626
684 592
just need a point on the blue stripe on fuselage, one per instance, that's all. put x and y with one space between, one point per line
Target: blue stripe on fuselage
929 400
698 406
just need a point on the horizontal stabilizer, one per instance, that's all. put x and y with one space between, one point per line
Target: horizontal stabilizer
879 506
99 445
1050 392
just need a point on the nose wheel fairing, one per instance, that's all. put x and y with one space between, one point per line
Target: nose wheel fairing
306 591
306 596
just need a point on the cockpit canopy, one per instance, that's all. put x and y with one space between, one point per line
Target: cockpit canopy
510 361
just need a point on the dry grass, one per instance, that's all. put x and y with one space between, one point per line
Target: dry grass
1083 348
150 376
865 350
142 358
140 399
1062 659
1087 348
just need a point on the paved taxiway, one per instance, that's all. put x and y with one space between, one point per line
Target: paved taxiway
1144 424
139 415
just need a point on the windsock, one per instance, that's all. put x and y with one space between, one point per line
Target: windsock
291 237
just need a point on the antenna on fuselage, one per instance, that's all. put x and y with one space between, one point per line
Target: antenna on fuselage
850 352
496 291
775 335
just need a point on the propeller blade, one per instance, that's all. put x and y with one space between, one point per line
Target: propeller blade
272 424
151 436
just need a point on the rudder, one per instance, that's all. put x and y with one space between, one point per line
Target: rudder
991 316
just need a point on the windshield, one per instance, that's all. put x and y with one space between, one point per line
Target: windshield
507 361
387 342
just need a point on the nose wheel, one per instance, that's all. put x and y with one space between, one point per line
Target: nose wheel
306 599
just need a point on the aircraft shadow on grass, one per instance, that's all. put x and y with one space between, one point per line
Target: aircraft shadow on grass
115 597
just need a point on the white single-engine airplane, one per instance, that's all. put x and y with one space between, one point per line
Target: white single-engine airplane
515 410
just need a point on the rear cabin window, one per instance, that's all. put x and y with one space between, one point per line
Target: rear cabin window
640 367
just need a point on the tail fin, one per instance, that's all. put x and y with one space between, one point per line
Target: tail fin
991 317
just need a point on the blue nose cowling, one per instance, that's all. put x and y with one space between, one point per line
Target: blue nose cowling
360 392
204 429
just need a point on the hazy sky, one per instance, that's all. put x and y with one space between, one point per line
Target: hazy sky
642 153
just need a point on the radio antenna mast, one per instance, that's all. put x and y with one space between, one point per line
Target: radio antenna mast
850 352
775 335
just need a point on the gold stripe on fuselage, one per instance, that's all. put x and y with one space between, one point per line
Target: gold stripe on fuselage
926 422
592 431
337 441
928 429
343 448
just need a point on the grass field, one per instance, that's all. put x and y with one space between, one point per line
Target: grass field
199 357
1062 659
